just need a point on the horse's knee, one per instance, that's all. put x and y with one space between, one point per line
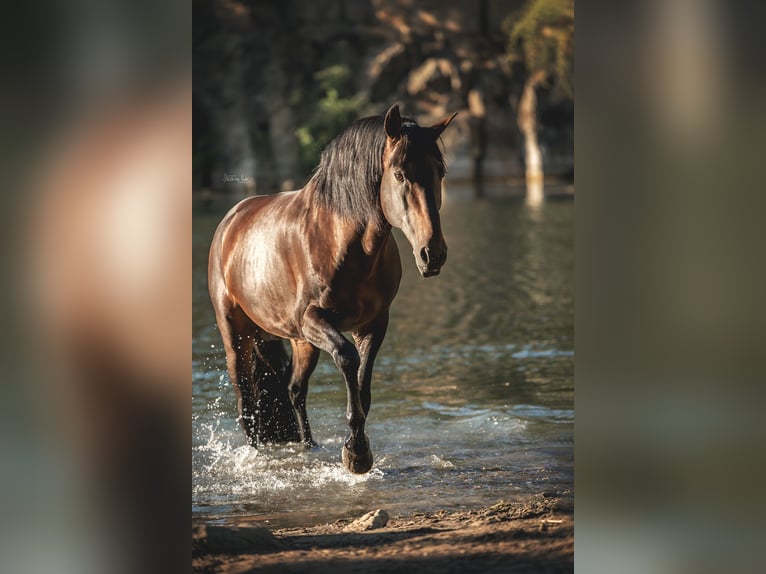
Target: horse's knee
347 358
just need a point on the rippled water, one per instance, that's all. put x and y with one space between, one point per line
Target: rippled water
472 397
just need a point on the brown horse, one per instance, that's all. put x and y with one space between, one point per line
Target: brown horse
307 265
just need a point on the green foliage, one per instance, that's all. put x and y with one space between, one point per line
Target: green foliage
542 35
337 108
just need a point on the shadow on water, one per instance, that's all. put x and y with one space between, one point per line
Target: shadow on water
472 392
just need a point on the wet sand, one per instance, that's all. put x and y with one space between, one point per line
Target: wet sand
532 536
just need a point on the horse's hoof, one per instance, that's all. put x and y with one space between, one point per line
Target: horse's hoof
357 463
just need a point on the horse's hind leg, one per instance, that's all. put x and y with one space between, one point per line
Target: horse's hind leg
305 357
237 332
277 422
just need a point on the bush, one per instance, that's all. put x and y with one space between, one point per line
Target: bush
338 107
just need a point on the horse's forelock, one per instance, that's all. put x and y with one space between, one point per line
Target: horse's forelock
416 142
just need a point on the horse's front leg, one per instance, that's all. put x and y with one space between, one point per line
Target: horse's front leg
368 342
319 332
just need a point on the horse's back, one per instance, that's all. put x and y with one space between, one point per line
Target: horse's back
245 214
231 226
253 216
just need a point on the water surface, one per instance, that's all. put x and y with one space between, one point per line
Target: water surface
472 397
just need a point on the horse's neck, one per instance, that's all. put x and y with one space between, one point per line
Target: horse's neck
364 246
342 237
374 236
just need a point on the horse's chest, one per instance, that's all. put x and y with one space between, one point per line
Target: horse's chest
356 301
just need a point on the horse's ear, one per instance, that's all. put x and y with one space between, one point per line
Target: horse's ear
442 125
393 122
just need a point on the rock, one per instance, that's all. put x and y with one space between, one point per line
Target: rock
214 539
370 521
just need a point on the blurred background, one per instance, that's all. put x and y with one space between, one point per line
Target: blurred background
275 81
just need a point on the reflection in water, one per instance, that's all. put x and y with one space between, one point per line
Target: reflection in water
534 193
472 392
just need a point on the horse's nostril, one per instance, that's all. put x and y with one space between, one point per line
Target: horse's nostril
424 255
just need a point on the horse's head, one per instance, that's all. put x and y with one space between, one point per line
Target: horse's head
411 187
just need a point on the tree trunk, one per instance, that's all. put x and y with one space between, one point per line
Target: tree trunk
478 127
527 122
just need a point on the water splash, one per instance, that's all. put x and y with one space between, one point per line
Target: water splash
226 466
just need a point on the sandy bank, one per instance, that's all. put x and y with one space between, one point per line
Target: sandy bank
533 536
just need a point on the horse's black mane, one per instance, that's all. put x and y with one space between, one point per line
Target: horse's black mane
347 179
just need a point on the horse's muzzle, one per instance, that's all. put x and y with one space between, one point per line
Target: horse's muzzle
430 265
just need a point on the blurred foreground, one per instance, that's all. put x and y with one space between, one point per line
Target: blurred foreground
670 282
98 215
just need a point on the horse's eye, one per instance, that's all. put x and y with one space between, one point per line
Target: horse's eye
399 176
